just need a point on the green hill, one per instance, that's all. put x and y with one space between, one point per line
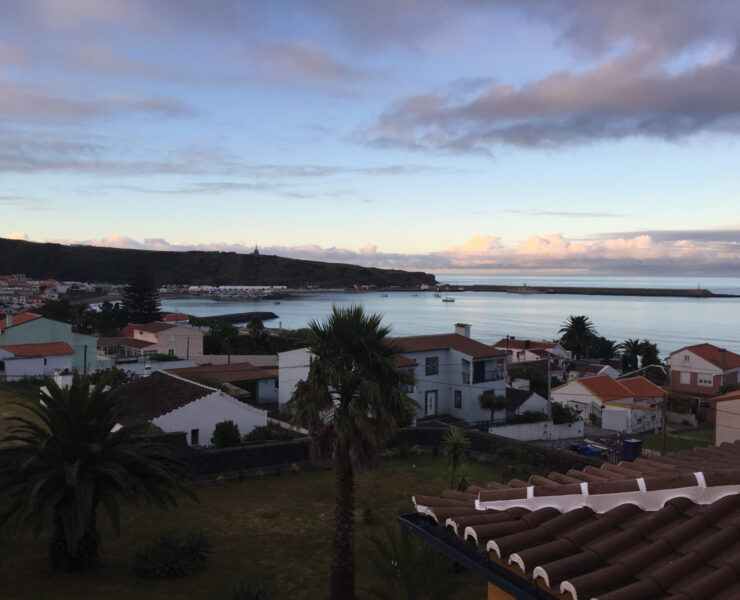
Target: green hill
114 265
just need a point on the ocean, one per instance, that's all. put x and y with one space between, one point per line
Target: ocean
669 322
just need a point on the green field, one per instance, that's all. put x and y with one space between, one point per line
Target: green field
688 440
279 527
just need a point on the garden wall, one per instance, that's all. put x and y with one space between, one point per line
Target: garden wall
249 457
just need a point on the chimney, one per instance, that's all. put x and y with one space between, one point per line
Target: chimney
462 329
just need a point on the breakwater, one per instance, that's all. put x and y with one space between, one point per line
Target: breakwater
591 291
243 317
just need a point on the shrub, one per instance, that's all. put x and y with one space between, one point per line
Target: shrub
388 454
562 414
295 469
226 434
168 556
220 480
416 449
265 433
482 459
255 589
260 474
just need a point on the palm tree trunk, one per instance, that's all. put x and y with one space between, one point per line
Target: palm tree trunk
343 544
62 558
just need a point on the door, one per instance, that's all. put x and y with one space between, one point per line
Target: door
430 404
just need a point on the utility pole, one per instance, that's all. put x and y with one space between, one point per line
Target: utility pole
663 424
84 365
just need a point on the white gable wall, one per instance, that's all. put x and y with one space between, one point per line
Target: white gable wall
293 366
577 396
15 369
206 412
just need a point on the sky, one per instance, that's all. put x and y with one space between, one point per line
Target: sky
578 136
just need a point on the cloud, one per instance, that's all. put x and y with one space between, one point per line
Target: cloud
629 254
17 235
563 213
12 55
302 60
29 102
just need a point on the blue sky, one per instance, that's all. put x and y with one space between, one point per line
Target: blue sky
519 135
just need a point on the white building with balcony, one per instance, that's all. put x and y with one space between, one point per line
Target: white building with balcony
452 370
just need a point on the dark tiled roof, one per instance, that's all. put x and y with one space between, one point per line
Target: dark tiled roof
243 371
517 397
653 529
517 344
155 327
126 342
719 357
150 397
445 341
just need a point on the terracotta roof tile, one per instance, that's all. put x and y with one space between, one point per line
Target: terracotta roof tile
605 387
126 342
39 350
444 341
18 319
642 389
624 545
719 357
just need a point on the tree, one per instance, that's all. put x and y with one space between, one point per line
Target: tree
256 328
562 413
350 402
227 337
602 347
68 461
649 354
577 332
630 352
489 400
141 298
455 446
226 434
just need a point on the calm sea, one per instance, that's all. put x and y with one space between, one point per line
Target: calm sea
669 322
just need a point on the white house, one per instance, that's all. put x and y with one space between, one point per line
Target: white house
293 366
177 404
18 361
529 350
521 401
451 371
628 405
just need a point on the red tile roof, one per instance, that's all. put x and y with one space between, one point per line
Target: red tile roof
653 529
39 350
605 387
175 317
719 357
445 341
729 396
154 327
126 342
517 344
405 361
641 388
18 319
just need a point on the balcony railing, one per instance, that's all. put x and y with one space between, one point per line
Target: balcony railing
482 376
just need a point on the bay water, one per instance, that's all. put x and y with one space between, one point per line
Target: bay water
671 323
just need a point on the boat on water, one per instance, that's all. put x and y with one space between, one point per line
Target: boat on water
383 295
414 294
448 299
437 295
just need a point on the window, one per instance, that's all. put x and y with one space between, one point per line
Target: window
171 352
686 358
194 437
408 388
704 379
685 377
172 338
432 365
458 399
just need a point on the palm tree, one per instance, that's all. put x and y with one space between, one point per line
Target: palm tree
577 333
489 400
350 402
649 354
631 350
455 446
69 459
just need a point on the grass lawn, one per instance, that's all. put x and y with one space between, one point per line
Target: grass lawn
279 527
699 437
